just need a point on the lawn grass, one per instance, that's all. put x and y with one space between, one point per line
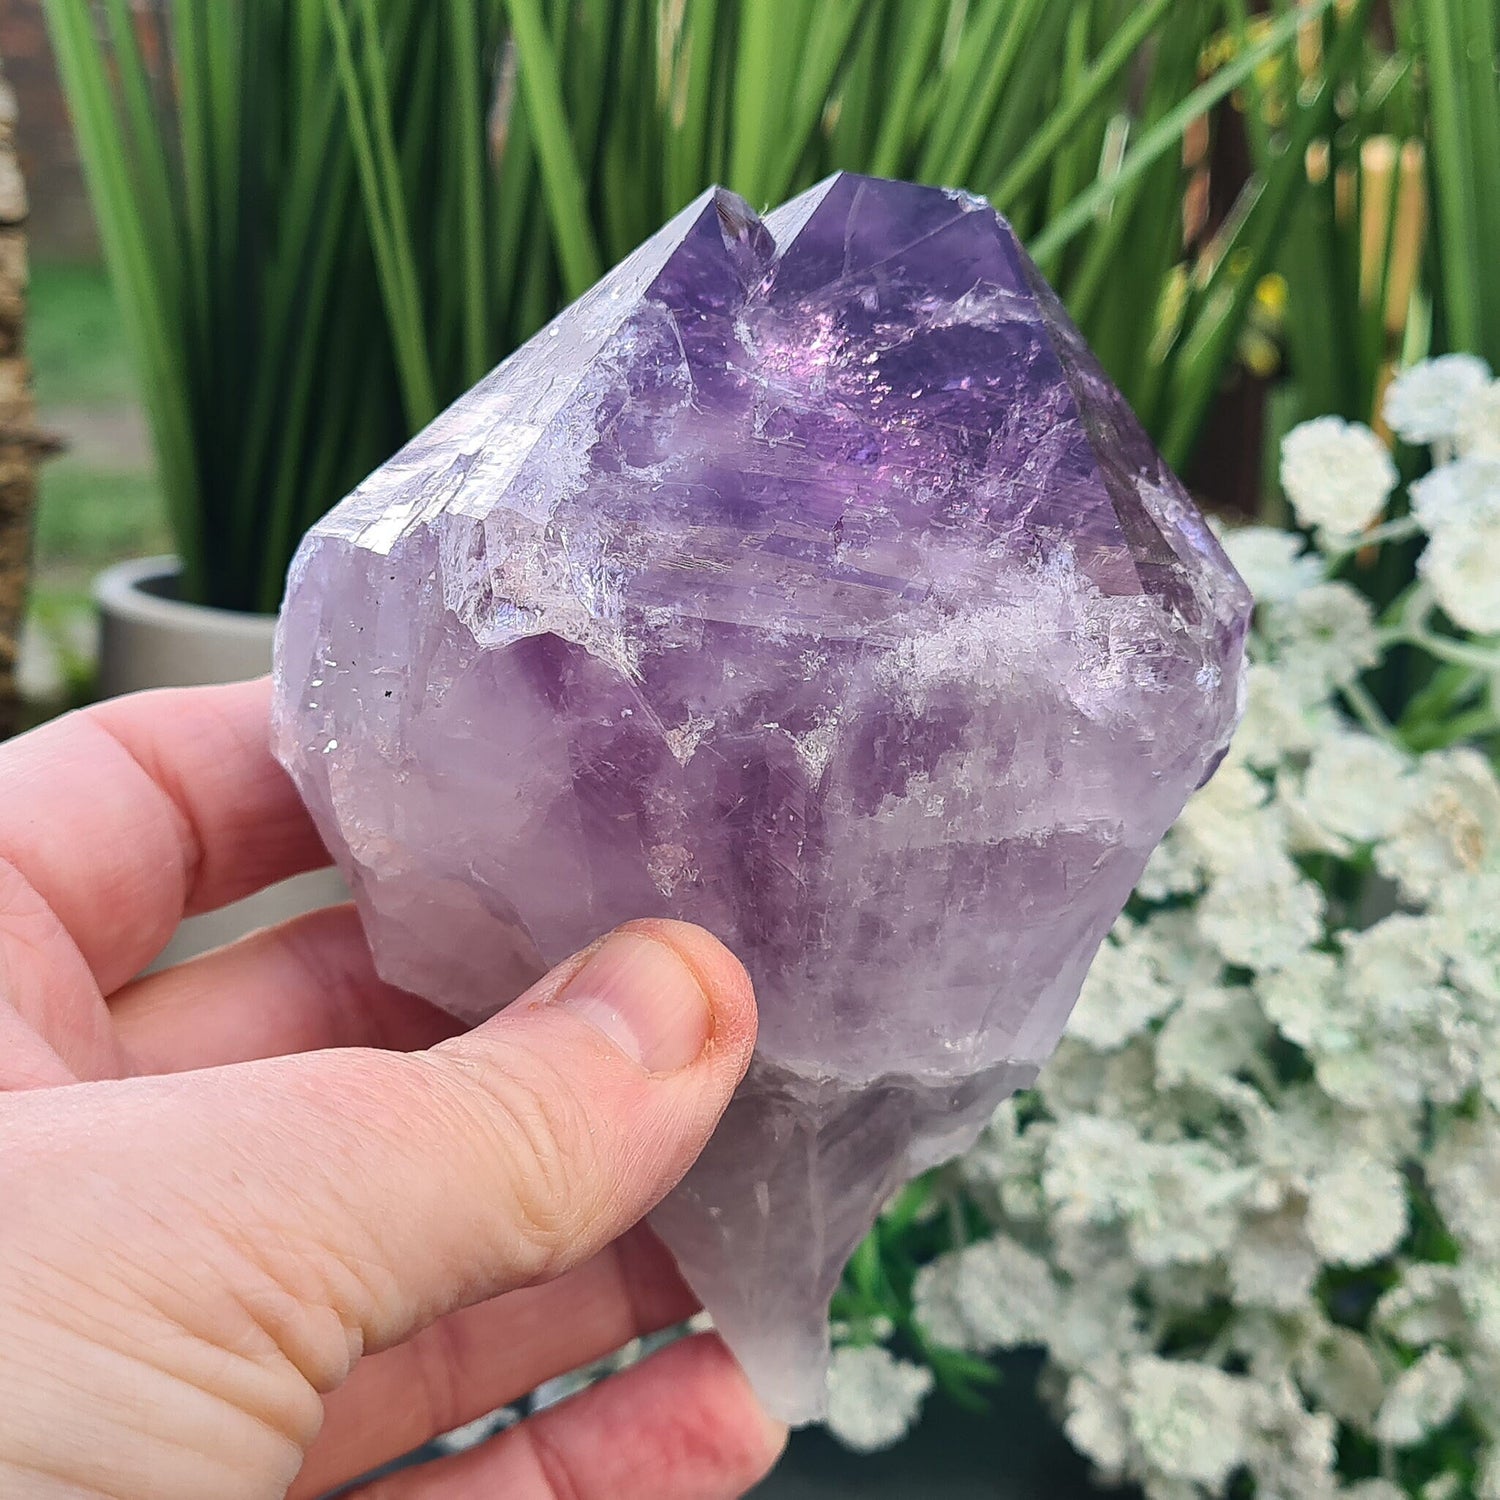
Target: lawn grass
77 347
99 500
90 517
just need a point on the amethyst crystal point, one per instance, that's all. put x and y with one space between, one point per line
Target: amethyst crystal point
809 580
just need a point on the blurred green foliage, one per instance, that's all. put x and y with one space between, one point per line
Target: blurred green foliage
325 218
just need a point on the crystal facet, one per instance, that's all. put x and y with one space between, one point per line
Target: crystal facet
809 580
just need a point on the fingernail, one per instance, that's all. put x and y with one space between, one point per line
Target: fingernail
645 999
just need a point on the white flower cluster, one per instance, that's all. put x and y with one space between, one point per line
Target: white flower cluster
1339 478
1252 1210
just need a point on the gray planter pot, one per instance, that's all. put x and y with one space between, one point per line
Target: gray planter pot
148 638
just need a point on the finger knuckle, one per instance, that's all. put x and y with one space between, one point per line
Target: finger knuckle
538 1153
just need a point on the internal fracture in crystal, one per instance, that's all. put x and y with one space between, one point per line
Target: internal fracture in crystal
809 580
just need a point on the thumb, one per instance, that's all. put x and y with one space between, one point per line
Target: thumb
350 1197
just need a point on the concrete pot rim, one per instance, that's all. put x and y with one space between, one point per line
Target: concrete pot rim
124 591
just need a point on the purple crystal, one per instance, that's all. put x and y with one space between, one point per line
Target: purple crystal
809 580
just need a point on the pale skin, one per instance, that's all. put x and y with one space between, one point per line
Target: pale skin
266 1222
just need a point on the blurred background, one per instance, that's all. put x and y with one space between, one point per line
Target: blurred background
1250 210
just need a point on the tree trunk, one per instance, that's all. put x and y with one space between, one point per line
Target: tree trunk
21 443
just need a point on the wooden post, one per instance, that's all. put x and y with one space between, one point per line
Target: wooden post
21 443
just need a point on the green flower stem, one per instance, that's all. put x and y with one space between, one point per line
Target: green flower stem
1444 649
1403 528
1364 708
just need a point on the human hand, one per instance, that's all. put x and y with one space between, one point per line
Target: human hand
265 1222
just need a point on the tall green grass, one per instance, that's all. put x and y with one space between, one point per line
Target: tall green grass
325 218
1389 253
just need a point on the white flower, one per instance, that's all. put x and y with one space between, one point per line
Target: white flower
1184 957
1398 1035
1188 1418
1282 719
1079 1080
1479 421
1467 908
1459 505
1122 994
1272 1262
1088 1251
1097 1423
1293 1450
1479 1287
1356 1211
1398 956
1303 1002
1214 1034
1223 828
1342 1372
1172 870
1093 1172
1276 564
1373 1489
1336 474
1188 1211
1422 404
1307 1130
873 1397
1097 1322
1354 787
1270 1344
1487 1482
1004 1164
993 1294
1425 1307
1464 1174
1263 919
1452 493
1423 1398
1451 825
1462 563
1177 1201
1323 639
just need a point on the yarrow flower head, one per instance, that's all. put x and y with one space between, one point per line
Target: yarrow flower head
1336 474
1421 1400
1280 1088
1478 430
1451 493
1459 506
1423 404
873 1397
1275 563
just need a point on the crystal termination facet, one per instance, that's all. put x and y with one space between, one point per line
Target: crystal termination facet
809 580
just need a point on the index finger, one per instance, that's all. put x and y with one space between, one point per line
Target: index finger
127 816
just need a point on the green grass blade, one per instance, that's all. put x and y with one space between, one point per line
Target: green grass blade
567 200
1165 134
468 126
762 38
922 31
827 46
968 52
139 261
1453 180
374 151
1018 27
1211 342
1061 124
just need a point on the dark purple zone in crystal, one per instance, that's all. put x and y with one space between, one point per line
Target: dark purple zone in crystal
893 394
